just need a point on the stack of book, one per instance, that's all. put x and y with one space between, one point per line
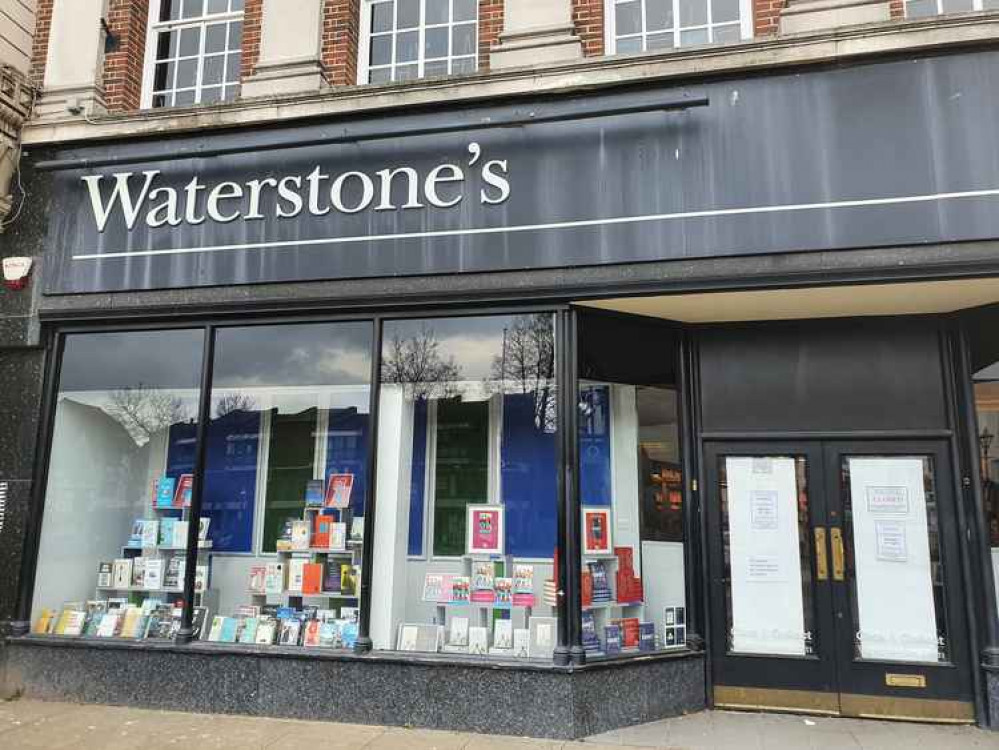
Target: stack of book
629 586
601 584
591 641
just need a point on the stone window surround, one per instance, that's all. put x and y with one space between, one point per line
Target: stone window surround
746 21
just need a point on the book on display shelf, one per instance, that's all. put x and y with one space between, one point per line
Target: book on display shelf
200 579
122 573
338 490
258 580
131 625
478 641
504 592
289 631
296 574
104 575
164 493
314 493
135 537
300 535
248 633
152 579
523 585
266 631
521 643
338 537
349 575
601 584
275 578
199 617
229 627
357 529
204 524
312 578
483 582
310 636
612 639
139 573
150 533
433 586
322 531
591 641
46 620
458 632
331 576
109 625
182 496
179 534
215 633
503 634
646 636
460 589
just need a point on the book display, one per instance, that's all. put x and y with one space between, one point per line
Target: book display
137 595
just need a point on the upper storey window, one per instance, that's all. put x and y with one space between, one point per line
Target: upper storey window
407 39
923 8
640 25
195 49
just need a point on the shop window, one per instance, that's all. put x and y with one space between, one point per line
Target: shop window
986 387
466 494
404 40
649 25
194 52
111 560
285 482
924 8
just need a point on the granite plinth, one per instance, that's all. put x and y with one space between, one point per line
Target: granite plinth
539 701
992 698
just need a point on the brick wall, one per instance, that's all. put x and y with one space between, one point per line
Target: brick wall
127 20
40 44
490 28
588 18
341 30
252 14
766 16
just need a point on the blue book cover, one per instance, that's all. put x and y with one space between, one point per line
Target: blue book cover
228 634
314 493
286 613
591 642
348 634
646 636
612 639
166 531
164 492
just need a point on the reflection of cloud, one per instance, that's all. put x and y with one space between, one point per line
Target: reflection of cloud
472 342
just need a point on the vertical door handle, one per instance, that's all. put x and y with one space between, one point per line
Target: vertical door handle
821 561
839 557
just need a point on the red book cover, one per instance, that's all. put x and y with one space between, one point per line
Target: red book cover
338 490
629 632
182 497
587 588
596 532
626 559
312 578
321 530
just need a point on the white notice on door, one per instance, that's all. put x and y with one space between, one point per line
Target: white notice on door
892 554
767 611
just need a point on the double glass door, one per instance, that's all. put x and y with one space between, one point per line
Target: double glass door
836 580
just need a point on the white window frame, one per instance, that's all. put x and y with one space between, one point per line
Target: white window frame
364 42
153 27
610 24
976 6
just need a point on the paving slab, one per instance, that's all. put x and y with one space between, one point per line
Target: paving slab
38 725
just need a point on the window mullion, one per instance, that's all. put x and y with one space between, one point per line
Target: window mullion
421 38
645 26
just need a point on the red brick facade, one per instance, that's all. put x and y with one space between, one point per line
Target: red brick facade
766 16
128 21
490 28
588 18
252 15
40 43
341 31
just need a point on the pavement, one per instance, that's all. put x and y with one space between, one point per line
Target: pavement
26 724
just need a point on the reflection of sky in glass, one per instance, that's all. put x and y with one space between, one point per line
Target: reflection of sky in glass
473 343
320 354
151 359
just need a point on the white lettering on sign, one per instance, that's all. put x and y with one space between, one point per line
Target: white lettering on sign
139 197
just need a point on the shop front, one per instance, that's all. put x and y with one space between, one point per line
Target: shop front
539 417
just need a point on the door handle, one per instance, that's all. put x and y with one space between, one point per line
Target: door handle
838 555
821 561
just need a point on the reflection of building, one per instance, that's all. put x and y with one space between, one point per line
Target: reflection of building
377 244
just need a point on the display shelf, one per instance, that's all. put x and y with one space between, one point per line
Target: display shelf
140 589
318 551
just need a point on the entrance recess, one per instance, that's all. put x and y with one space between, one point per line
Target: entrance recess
835 577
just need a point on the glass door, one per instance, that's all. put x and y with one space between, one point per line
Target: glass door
898 600
769 569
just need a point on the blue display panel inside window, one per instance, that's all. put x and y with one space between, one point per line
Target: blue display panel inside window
594 445
529 475
417 488
346 448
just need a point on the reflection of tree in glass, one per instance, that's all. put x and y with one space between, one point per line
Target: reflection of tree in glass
231 402
144 411
417 363
528 359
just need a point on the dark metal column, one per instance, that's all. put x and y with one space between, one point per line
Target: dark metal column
363 644
561 656
691 497
186 632
573 531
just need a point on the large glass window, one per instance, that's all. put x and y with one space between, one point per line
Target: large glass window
466 524
408 39
640 25
111 561
924 8
630 487
285 482
986 385
195 52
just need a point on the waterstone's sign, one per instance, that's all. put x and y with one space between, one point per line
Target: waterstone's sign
888 154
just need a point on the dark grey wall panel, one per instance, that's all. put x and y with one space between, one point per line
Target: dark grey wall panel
863 374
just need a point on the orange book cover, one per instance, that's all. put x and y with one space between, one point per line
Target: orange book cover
312 578
587 588
321 529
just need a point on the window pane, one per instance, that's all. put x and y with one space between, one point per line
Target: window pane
438 68
659 41
290 415
218 6
463 40
956 6
464 65
213 70
381 16
921 8
215 37
726 34
190 41
379 75
111 556
407 46
381 49
628 17
693 12
169 10
465 10
236 5
161 100
407 73
470 406
211 95
187 73
435 42
163 76
408 14
193 8
631 44
698 36
166 45
724 10
234 67
437 11
184 98
659 14
235 35
231 93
